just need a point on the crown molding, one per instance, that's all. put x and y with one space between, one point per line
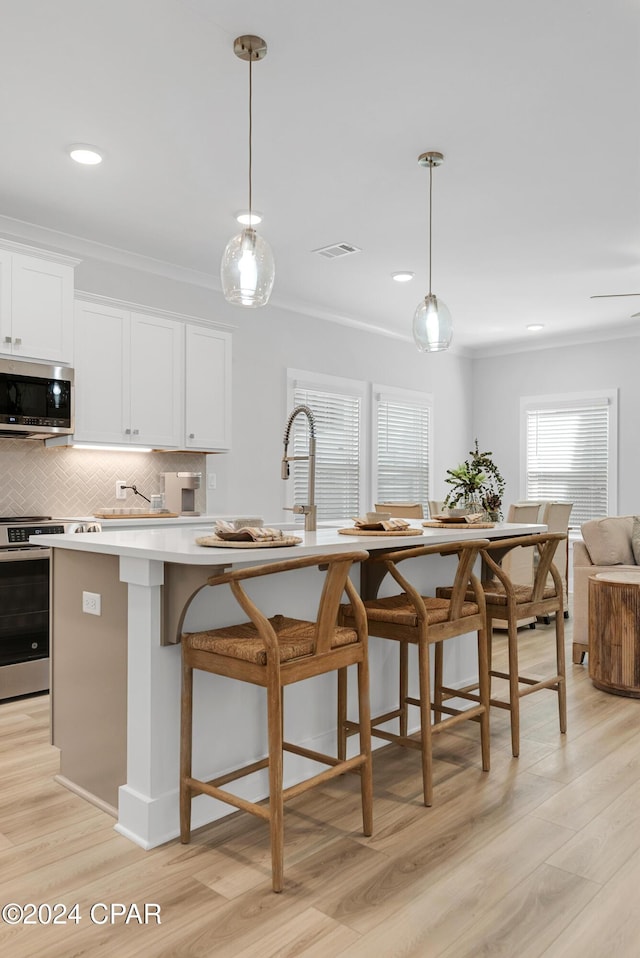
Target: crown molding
99 300
580 337
47 254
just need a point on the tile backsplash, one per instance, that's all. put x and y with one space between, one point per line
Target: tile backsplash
64 482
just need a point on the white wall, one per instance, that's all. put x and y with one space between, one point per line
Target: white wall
269 340
500 381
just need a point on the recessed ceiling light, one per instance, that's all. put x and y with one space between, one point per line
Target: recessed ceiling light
249 217
403 276
534 327
85 154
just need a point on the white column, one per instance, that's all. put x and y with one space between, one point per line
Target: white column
148 802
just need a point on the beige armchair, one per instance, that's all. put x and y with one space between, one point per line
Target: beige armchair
605 542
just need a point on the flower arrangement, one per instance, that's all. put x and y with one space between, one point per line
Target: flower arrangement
477 481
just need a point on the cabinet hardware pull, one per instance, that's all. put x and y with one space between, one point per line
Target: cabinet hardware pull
136 432
17 341
127 432
192 435
7 339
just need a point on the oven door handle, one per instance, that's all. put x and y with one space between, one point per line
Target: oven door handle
24 555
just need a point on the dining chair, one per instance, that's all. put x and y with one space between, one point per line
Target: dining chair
519 565
402 510
274 653
556 515
410 618
510 602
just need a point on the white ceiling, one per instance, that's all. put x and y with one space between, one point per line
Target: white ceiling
534 104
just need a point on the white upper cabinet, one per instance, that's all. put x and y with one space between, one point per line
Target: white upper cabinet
102 348
135 384
207 389
157 370
36 305
128 377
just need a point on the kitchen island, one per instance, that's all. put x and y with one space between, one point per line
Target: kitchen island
116 665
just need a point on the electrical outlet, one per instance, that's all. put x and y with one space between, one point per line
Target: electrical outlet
92 603
211 481
121 492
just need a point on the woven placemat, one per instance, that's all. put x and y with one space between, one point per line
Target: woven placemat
458 526
379 532
214 542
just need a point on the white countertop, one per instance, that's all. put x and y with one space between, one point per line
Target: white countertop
135 522
177 543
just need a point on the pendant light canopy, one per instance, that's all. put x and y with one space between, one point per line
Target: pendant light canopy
432 326
247 270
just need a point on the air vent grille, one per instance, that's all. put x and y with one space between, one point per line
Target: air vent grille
337 249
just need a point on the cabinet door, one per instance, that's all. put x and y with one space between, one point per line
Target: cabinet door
41 309
101 373
208 389
157 364
6 337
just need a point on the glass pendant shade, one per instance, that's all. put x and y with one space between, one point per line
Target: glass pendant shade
247 270
432 325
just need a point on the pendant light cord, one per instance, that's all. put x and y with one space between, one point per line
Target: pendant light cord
430 208
250 139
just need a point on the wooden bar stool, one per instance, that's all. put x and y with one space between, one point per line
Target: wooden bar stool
273 653
412 619
510 602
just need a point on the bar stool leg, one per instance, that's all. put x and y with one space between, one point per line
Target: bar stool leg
403 690
186 722
514 685
342 714
438 675
484 692
276 804
562 682
425 720
364 721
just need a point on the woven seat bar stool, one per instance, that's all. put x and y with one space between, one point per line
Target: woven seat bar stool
413 619
273 653
510 602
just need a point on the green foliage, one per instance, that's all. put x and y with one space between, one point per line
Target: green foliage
476 478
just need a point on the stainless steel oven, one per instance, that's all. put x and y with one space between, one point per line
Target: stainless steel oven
24 605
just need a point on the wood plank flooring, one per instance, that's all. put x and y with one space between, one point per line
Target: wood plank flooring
539 857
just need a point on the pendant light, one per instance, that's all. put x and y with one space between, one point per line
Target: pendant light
247 270
432 326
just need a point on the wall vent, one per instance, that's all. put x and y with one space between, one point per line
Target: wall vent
337 249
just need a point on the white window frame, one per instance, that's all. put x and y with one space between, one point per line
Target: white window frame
334 384
569 400
407 397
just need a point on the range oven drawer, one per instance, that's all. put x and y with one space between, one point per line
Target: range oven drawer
24 646
24 621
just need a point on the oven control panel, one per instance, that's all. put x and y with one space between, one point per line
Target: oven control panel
21 533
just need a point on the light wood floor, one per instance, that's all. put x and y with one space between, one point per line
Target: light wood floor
539 857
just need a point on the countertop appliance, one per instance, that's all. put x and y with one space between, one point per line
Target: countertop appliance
180 491
36 400
24 604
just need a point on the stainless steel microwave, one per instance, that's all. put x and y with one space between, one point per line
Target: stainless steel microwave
36 400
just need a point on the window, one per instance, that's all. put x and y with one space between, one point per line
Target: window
401 446
352 418
337 406
570 451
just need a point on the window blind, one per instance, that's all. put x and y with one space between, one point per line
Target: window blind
338 427
567 456
402 443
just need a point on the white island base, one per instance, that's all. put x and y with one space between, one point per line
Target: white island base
116 677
